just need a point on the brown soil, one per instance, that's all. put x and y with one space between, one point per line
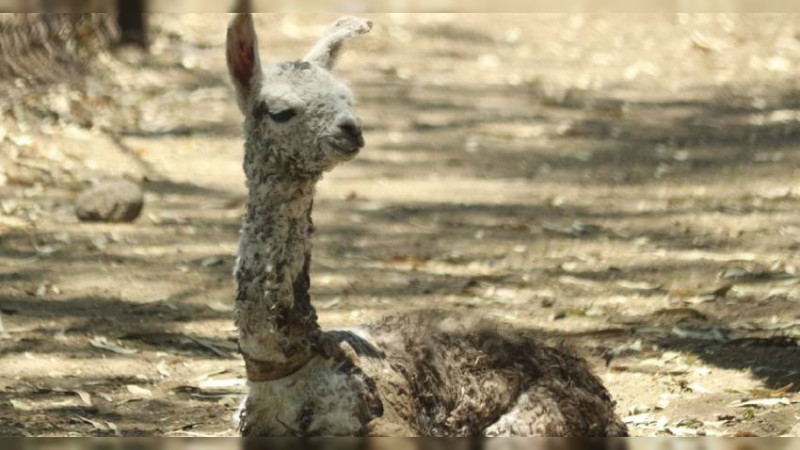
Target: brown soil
626 184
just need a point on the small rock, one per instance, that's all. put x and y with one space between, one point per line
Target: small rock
212 262
115 201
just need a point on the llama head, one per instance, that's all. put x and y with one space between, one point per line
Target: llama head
297 113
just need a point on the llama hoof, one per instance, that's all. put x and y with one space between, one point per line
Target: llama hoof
114 201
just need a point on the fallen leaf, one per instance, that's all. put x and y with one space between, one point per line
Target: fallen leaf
86 398
22 405
113 428
633 71
663 403
779 293
734 273
232 385
21 140
638 411
212 262
670 356
711 296
578 282
639 286
139 391
705 44
712 334
684 432
206 376
103 344
698 389
762 403
629 348
99 426
13 223
639 419
329 304
698 255
220 307
577 229
47 250
163 369
41 291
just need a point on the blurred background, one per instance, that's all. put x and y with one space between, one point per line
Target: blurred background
625 183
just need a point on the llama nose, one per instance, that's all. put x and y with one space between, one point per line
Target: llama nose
351 127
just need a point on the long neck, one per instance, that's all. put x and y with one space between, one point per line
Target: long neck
278 330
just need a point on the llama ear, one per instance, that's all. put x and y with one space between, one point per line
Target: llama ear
325 51
244 63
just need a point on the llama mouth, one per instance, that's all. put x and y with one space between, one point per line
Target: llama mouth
345 149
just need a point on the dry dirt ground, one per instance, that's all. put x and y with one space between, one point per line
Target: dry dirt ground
627 184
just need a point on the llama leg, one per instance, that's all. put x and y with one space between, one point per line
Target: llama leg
535 414
558 411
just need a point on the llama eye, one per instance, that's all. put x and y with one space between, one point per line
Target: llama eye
283 116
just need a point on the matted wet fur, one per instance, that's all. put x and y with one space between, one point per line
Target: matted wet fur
425 374
436 374
469 377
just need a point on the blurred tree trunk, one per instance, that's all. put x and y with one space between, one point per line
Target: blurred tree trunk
132 22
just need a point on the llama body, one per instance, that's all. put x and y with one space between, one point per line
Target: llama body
427 374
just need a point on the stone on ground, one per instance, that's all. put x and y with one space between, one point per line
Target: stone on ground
112 201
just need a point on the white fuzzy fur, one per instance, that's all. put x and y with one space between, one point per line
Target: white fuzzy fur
283 163
275 408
